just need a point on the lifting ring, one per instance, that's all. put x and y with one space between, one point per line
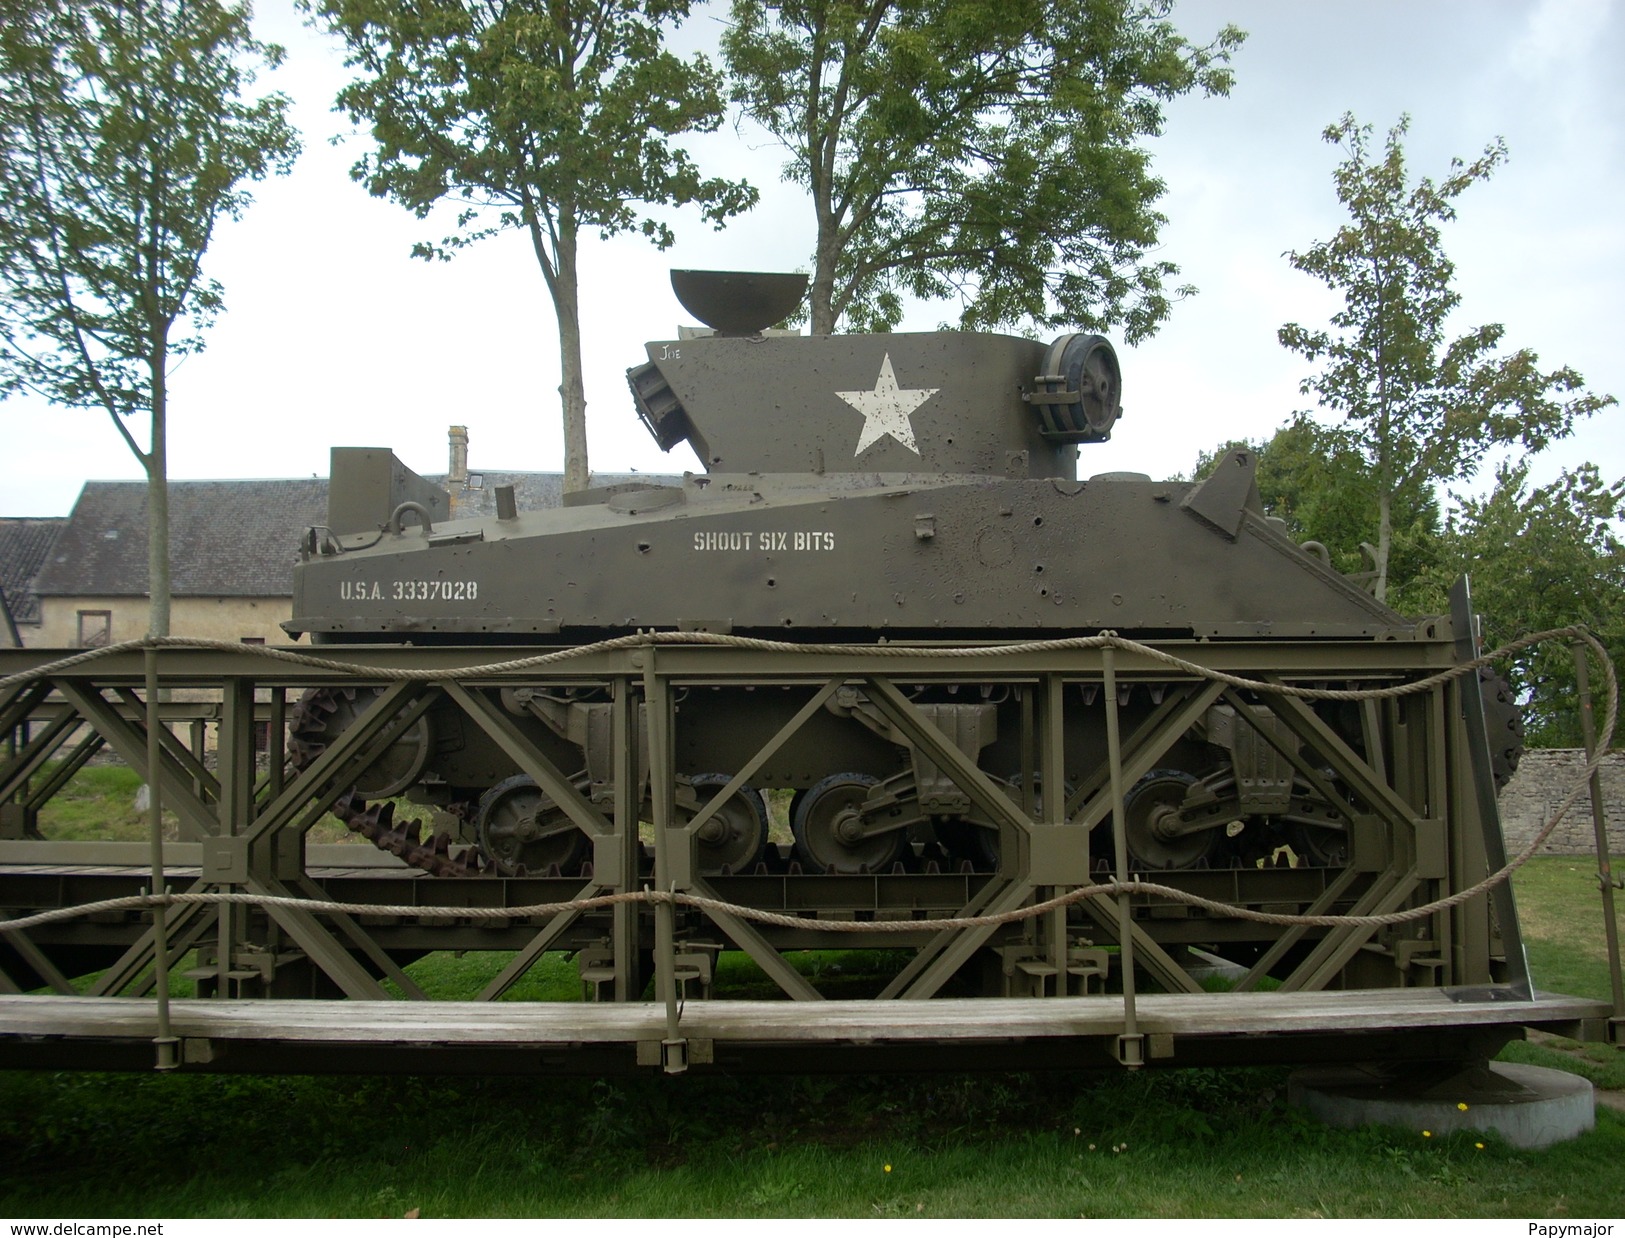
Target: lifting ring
410 506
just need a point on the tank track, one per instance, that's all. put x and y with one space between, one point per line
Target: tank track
307 739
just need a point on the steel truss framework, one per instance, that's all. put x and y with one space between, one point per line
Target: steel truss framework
1106 973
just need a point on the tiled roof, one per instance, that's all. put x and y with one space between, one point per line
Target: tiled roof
24 544
226 539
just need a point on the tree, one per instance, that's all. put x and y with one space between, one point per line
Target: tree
1538 559
548 116
1544 559
1421 409
985 151
126 139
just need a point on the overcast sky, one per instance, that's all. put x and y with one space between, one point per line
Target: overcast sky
333 335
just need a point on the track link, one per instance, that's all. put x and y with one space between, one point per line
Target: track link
308 737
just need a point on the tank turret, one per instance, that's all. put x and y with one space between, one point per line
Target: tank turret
937 402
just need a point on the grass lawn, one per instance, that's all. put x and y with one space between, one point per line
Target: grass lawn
1166 1144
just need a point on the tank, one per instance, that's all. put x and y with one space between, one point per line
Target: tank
908 486
858 490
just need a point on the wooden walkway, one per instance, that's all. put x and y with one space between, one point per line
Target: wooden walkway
41 1030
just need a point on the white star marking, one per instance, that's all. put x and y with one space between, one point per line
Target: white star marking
886 409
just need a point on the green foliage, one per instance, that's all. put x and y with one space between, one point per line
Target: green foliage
556 114
1603 1065
989 152
127 139
126 142
445 976
546 116
1541 559
98 805
1419 407
1538 558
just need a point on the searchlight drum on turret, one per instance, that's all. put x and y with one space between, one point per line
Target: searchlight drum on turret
1079 396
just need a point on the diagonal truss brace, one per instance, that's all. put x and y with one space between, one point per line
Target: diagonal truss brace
546 775
130 743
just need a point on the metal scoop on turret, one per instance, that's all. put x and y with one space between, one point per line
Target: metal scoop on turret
739 302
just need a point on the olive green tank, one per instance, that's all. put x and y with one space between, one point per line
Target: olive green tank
857 489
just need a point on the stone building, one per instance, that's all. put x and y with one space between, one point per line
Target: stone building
233 545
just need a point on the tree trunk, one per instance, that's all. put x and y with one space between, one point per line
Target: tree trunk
572 390
1385 540
157 465
1385 476
821 294
826 249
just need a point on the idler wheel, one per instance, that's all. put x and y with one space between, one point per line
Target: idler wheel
831 836
521 830
1151 817
736 834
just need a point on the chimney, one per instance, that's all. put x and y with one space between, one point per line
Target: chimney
457 475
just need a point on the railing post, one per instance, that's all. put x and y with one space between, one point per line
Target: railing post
1051 776
1599 823
164 1042
276 735
657 705
1130 1045
628 800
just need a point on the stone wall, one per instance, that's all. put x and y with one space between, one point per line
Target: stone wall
1544 777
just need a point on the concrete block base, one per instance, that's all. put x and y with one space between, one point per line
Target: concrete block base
1528 1106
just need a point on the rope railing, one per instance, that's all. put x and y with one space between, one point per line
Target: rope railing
758 915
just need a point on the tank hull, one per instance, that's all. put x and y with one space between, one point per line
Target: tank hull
959 557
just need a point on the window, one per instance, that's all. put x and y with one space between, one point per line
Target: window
95 629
